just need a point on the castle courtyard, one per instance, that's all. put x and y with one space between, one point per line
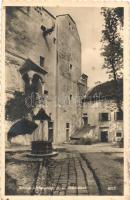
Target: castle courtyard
64 128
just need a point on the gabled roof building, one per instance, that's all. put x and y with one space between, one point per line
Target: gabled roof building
101 116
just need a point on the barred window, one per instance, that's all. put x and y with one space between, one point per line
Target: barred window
118 134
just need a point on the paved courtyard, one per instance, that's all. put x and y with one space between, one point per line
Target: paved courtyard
76 170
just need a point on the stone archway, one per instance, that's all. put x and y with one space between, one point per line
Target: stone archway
37 84
33 84
33 76
25 77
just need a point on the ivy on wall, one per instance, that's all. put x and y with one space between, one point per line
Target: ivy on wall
16 108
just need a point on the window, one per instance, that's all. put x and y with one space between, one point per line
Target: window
67 131
67 125
119 116
104 117
85 118
54 40
70 97
85 114
50 131
70 66
118 134
42 59
46 92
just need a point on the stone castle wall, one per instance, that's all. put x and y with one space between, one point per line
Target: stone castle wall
24 39
60 48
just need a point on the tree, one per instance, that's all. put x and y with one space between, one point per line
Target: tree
113 46
16 108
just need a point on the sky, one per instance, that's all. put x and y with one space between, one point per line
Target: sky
89 23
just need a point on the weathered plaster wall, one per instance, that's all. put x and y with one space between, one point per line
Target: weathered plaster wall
112 126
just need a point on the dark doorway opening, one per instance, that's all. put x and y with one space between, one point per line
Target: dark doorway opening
104 136
85 119
50 131
67 132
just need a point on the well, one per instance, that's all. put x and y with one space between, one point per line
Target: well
41 147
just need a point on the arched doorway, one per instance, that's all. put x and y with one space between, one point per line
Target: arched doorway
37 84
34 87
27 89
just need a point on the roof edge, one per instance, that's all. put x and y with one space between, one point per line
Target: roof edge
67 15
48 13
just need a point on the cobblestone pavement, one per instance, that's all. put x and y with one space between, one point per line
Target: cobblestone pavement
76 170
67 174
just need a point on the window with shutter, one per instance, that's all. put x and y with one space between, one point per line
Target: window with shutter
119 116
109 116
104 116
99 116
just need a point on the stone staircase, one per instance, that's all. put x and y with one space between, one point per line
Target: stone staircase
82 132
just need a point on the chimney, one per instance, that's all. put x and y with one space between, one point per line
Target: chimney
84 79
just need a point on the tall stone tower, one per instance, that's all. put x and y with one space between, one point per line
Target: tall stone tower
68 75
43 53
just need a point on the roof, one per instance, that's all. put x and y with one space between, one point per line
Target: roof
30 65
48 12
105 90
82 132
